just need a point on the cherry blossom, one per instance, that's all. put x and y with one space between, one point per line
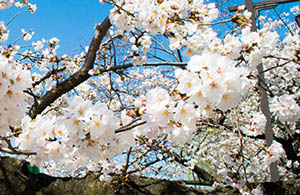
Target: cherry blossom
4 32
178 94
285 108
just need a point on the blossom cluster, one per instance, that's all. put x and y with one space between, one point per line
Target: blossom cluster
256 124
13 80
83 132
158 16
285 108
87 130
4 4
179 19
163 115
274 152
211 81
145 42
4 32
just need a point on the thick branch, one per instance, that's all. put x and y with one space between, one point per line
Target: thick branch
79 77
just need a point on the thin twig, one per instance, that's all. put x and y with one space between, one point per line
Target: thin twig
283 22
16 16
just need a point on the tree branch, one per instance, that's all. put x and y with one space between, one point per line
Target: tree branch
77 78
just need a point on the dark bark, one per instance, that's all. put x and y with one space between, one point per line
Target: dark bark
14 180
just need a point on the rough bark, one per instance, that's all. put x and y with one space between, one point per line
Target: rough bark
14 180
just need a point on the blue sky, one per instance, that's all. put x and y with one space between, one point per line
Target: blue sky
71 21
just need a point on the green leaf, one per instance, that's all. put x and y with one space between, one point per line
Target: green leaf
33 169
